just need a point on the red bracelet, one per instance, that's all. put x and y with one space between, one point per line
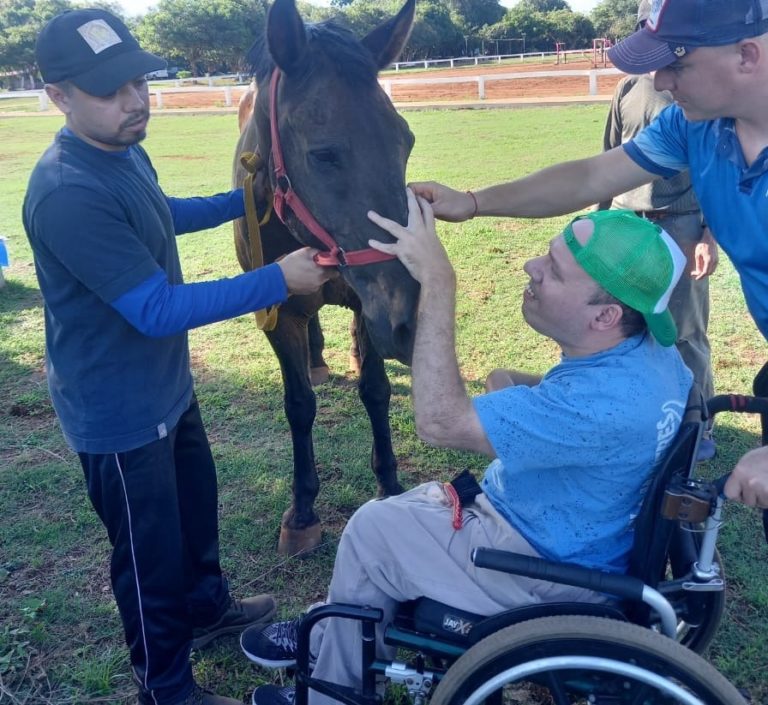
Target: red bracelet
474 198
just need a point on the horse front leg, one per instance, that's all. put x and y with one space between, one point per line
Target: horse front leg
375 392
300 529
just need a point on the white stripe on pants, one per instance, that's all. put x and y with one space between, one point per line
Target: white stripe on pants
405 547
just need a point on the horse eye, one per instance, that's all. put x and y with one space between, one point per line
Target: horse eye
324 156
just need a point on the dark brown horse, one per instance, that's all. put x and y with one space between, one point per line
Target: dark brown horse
345 150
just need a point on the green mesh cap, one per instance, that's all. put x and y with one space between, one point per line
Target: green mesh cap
634 260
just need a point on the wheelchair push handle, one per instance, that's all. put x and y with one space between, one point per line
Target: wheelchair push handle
737 403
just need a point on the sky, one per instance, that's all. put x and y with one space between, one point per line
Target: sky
139 7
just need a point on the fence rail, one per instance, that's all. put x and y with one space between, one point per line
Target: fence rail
159 91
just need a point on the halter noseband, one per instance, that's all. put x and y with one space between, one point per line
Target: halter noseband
286 196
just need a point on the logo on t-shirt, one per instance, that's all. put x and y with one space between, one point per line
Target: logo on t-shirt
666 428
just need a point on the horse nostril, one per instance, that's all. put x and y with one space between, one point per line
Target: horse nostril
404 335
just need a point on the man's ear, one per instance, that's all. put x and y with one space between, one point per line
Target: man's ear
752 51
58 96
608 317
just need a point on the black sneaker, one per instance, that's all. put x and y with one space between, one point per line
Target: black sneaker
273 646
251 612
198 696
272 695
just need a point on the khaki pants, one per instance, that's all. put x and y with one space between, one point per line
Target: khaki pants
405 547
689 304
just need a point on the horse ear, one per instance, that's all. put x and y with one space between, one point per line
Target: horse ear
388 39
286 35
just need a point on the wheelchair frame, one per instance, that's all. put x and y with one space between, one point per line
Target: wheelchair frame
671 601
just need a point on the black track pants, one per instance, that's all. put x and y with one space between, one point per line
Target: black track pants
159 505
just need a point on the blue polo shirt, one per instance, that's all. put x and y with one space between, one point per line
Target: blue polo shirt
733 195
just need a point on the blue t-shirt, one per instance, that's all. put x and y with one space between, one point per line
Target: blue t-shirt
733 195
575 452
100 227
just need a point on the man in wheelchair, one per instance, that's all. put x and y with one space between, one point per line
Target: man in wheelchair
572 452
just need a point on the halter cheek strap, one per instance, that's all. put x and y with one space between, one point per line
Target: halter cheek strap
335 256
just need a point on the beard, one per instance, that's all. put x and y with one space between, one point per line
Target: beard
126 137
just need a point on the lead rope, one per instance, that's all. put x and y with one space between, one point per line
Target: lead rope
266 318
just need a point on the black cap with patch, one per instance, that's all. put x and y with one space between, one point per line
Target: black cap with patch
94 50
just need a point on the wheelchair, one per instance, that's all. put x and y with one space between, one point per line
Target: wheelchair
642 648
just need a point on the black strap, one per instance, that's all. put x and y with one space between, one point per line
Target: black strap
466 487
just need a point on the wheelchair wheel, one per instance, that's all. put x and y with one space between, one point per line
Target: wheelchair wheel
699 613
577 660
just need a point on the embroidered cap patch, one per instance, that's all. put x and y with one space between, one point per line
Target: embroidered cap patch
98 35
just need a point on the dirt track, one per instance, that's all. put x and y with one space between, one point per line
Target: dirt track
565 86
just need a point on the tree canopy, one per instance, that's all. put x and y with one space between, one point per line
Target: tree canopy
214 35
208 36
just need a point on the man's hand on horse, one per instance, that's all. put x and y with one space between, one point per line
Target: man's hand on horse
447 204
302 274
416 244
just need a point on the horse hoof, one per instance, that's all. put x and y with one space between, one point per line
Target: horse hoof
354 363
319 375
294 542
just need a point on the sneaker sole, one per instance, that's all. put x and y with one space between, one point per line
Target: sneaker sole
267 663
203 641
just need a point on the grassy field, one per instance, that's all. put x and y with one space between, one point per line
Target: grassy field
60 637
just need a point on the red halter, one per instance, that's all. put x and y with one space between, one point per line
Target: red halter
285 195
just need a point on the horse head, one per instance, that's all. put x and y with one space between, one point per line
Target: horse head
345 150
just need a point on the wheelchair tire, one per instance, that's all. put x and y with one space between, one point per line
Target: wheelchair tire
601 661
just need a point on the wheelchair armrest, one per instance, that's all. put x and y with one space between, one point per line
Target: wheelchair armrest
623 586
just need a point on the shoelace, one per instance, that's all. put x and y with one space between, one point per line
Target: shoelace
289 693
284 634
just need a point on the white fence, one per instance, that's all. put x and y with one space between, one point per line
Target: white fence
226 92
493 59
591 74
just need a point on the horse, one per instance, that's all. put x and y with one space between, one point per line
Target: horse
318 368
332 147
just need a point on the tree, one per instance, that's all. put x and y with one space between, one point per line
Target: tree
20 23
573 28
434 33
615 18
363 15
470 15
209 34
545 5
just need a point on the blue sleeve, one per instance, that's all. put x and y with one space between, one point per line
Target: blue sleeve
157 308
193 214
662 147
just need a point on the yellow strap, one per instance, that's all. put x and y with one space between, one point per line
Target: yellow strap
266 318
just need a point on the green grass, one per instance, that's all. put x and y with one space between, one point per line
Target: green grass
60 639
11 105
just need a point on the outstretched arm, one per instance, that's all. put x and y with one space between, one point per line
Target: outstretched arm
443 411
556 190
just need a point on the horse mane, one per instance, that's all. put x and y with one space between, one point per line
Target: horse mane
331 39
